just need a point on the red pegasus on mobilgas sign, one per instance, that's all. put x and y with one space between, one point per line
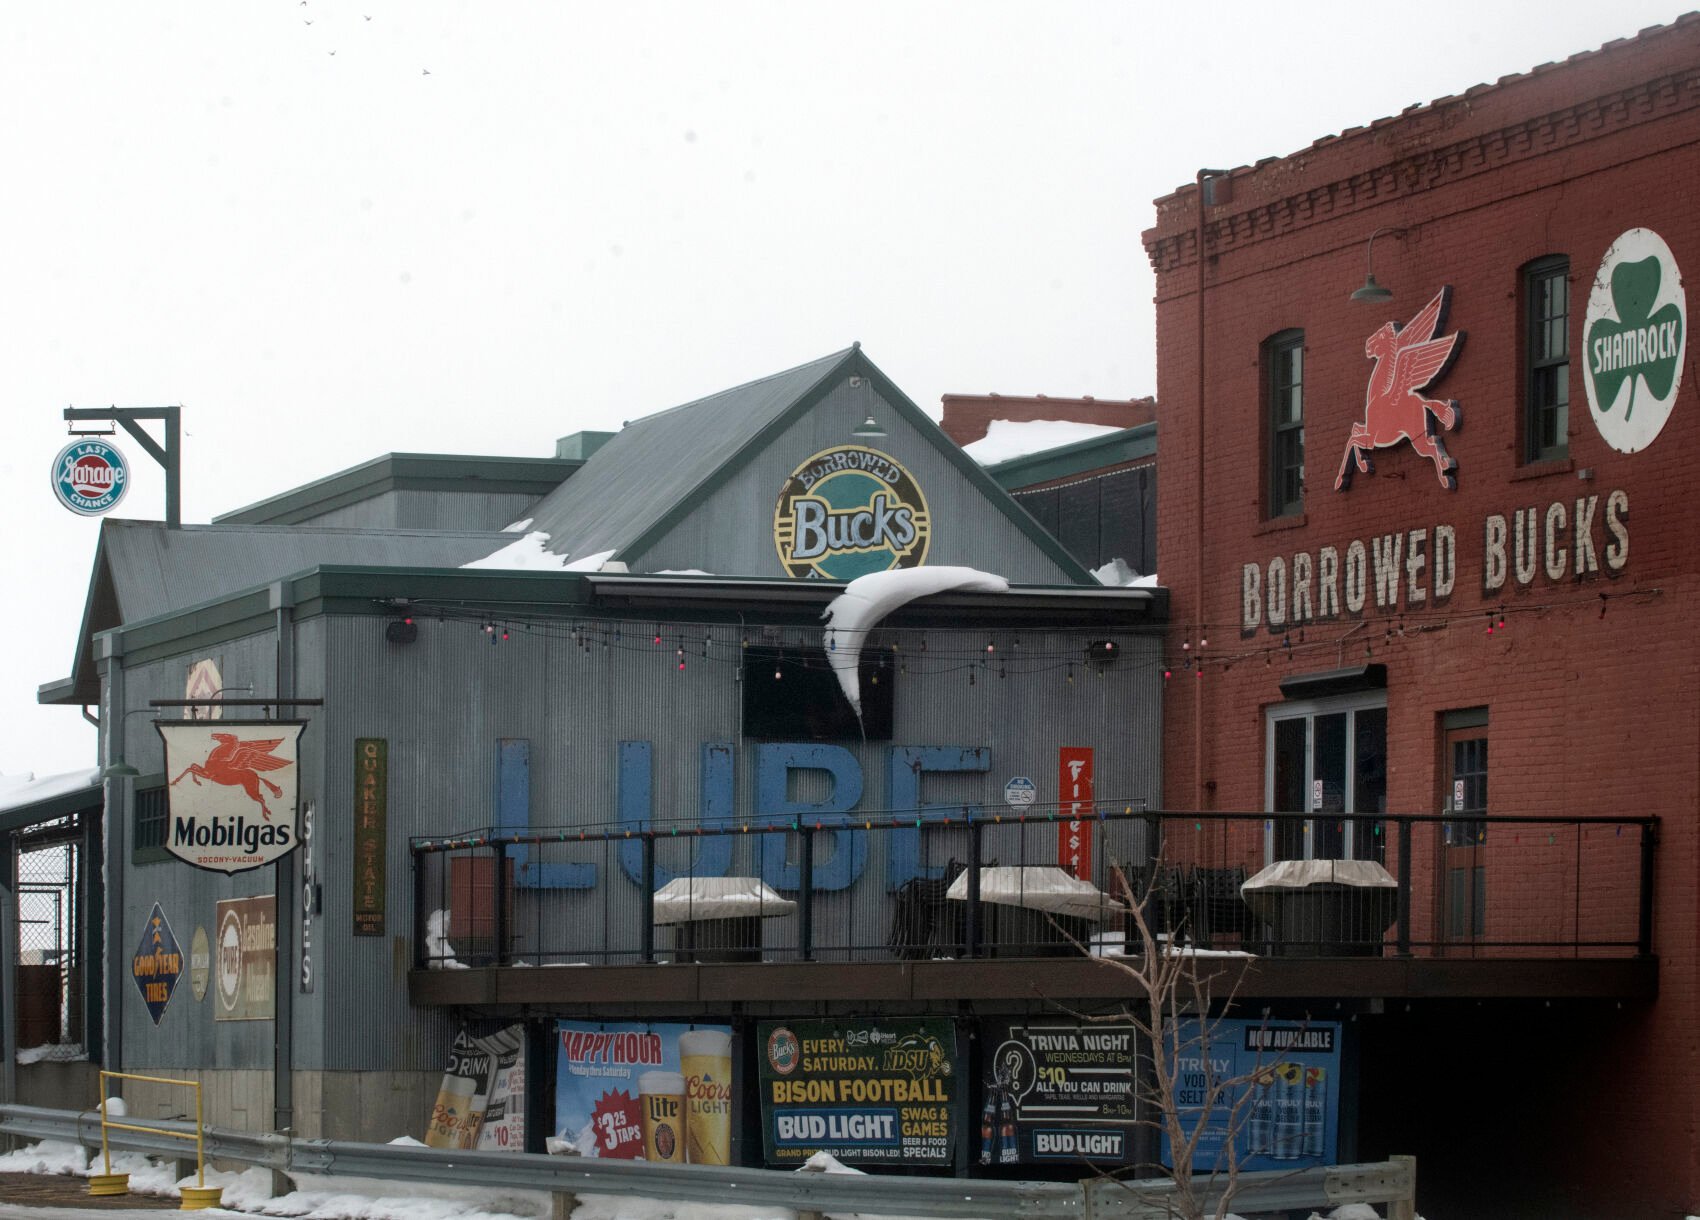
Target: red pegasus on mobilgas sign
1407 359
235 763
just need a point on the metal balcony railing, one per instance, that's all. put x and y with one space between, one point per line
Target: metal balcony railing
968 883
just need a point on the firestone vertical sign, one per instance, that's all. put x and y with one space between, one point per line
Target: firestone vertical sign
371 813
1074 797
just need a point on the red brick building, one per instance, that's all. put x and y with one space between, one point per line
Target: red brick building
1487 620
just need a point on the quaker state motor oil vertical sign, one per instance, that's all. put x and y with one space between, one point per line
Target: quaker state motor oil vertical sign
232 791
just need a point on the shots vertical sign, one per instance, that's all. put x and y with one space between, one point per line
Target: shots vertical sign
1074 797
371 817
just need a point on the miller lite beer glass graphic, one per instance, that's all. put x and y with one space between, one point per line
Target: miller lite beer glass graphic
661 1100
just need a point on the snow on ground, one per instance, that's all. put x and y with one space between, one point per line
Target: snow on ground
53 1052
1008 439
868 599
345 1198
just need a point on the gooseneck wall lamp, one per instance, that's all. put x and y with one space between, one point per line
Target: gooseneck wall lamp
1372 291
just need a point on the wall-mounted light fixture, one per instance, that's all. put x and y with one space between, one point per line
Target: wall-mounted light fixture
869 429
1372 291
402 630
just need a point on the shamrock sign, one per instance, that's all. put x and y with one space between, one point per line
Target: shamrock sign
1634 336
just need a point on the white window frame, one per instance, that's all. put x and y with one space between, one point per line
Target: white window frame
1307 710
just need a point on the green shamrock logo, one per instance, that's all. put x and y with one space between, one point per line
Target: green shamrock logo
1642 343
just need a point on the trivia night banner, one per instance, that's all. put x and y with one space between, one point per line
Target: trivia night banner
649 1092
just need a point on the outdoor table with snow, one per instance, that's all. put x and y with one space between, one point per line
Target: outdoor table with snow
1019 905
1323 908
717 919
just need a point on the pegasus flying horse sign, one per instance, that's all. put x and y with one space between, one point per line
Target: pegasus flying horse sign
1408 359
231 791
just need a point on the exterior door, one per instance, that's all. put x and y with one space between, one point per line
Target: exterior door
1328 759
1462 918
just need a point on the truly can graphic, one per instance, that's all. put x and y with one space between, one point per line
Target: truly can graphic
661 1102
705 1062
1289 1112
1315 1110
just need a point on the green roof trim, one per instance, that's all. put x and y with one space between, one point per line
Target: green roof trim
1094 453
444 472
855 361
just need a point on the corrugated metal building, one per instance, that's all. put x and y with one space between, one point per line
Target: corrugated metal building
652 724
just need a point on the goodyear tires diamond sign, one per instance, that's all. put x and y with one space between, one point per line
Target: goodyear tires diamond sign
848 511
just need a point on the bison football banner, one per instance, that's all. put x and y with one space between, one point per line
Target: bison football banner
231 791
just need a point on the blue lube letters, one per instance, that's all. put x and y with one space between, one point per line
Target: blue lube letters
840 850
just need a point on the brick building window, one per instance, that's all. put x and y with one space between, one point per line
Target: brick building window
1283 371
1546 359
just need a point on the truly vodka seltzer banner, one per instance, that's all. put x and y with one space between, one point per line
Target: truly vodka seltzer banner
868 1092
231 791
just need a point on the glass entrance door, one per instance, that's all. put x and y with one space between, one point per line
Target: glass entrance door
1328 760
1463 893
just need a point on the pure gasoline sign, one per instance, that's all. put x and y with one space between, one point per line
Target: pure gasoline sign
90 477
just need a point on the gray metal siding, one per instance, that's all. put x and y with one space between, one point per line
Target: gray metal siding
732 532
187 1036
444 702
430 510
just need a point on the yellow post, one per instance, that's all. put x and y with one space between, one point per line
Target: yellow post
108 1183
196 1197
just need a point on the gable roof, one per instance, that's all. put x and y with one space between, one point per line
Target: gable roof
698 446
143 569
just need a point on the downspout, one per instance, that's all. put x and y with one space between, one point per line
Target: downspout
116 788
8 970
1198 795
283 977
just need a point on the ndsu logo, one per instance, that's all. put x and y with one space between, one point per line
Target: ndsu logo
90 477
1407 359
848 511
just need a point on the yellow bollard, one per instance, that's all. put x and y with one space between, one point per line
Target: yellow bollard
106 1184
198 1198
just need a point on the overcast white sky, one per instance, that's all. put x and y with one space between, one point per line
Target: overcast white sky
335 230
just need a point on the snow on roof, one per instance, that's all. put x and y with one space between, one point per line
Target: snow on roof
531 553
868 599
1118 575
1007 439
19 791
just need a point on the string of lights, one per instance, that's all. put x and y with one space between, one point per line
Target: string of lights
1019 652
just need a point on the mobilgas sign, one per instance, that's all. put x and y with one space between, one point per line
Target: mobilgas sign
232 791
90 477
1634 340
848 511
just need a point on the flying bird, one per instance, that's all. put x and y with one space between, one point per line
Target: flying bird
236 763
427 72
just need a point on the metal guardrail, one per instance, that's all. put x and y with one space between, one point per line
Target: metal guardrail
961 1198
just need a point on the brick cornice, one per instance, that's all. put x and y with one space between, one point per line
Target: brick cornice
1425 170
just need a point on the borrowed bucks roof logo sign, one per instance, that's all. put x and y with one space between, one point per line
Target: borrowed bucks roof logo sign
848 511
232 791
1634 339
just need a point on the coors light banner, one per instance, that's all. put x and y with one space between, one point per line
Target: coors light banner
231 791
